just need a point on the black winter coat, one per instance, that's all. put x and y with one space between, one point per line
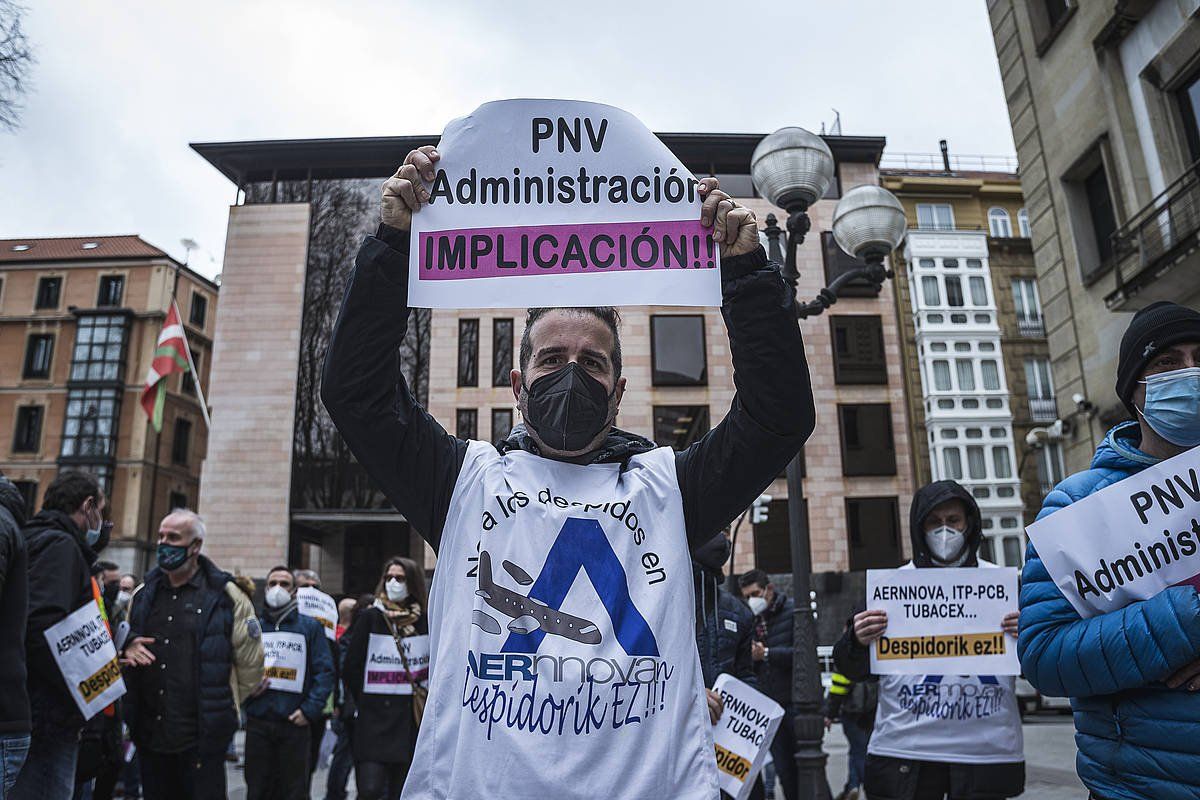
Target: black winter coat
60 581
217 714
775 674
384 730
14 611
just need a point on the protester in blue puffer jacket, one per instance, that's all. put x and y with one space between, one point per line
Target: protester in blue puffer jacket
1133 674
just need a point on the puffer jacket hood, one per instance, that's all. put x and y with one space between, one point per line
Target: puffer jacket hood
924 501
1119 450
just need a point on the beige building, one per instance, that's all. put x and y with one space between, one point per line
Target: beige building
79 322
977 361
1104 100
280 484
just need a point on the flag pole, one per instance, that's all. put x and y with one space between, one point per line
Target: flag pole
192 366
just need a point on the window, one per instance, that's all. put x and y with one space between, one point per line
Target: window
502 423
867 446
677 350
772 539
952 458
1050 466
177 500
90 427
991 375
111 289
837 261
468 352
966 375
187 381
935 216
950 263
180 441
976 464
1023 224
199 311
466 423
1048 17
858 349
39 352
28 490
954 292
99 353
979 295
1038 379
941 376
1056 10
929 290
49 291
1001 462
1189 107
873 527
28 435
1028 307
999 223
679 426
1012 551
502 352
1102 217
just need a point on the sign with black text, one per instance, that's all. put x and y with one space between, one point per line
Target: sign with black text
84 651
312 602
743 734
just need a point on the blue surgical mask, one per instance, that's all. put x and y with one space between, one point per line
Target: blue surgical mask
1173 405
92 536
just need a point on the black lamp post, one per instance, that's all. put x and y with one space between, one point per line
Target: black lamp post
793 168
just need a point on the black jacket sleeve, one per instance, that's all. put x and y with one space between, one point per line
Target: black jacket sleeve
408 454
357 639
851 658
58 585
772 413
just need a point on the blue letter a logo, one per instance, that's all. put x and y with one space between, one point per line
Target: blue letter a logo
581 544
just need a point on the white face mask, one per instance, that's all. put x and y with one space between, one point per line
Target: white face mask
278 597
123 598
397 590
947 545
757 604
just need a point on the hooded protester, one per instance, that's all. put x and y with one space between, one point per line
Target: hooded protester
384 735
290 699
566 495
1133 675
14 613
63 540
920 748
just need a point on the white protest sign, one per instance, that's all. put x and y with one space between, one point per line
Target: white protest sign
1128 541
743 734
559 202
84 651
312 602
384 672
285 660
944 620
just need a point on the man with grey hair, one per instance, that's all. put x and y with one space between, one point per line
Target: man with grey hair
194 653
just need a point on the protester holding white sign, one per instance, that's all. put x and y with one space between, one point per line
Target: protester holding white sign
312 602
567 494
83 648
939 731
386 671
743 734
1109 611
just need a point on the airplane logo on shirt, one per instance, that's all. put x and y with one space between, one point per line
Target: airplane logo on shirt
528 614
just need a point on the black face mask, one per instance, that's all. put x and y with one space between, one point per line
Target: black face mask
568 408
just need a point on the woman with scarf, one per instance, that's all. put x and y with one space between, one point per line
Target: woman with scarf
385 724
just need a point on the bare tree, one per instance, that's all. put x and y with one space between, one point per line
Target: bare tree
15 61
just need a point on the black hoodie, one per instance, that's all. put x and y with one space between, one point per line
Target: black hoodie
14 606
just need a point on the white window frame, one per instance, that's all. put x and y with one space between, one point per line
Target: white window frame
1023 224
936 216
999 223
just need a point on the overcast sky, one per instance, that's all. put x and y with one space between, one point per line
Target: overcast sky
121 88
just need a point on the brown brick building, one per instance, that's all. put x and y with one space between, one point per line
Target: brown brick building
79 320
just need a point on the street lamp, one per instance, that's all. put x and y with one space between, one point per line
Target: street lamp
793 168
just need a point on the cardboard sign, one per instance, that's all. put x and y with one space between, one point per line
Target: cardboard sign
84 651
944 621
314 603
743 734
1127 542
564 203
285 660
384 671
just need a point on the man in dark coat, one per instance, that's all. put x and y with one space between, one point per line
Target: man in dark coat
63 539
14 611
774 614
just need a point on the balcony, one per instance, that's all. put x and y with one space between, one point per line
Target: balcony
1156 253
1031 327
1043 409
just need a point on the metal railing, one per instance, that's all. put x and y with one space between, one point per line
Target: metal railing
1170 220
933 162
1032 327
1043 409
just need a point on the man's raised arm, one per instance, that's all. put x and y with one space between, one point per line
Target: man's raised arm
772 413
405 451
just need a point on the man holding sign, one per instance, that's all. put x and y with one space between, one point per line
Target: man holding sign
563 654
1109 611
938 732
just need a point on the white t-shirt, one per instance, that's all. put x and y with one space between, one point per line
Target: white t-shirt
550 574
963 719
